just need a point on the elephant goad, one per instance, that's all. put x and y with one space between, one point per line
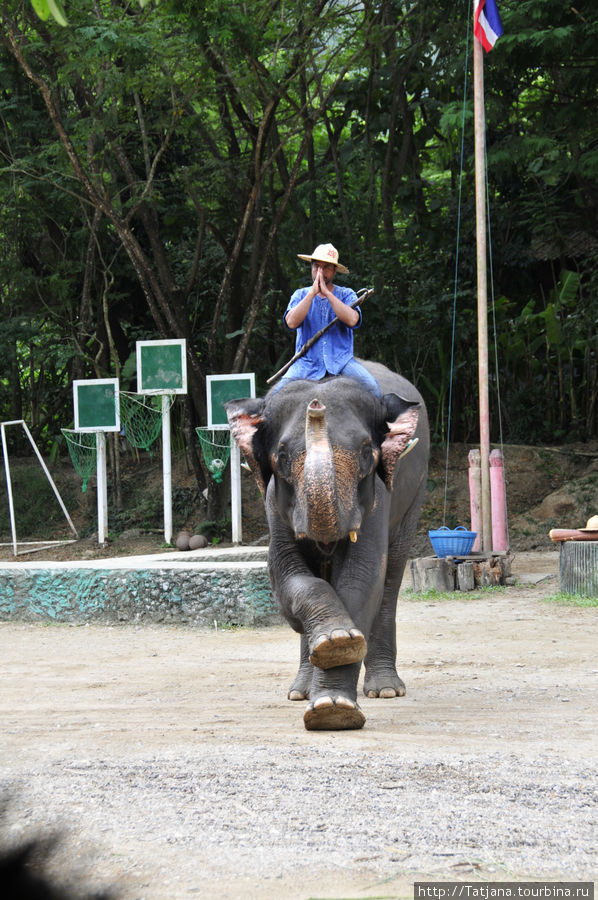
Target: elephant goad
343 475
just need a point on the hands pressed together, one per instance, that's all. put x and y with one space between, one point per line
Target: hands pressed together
319 286
322 285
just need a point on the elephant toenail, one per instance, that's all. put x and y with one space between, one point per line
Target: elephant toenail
322 701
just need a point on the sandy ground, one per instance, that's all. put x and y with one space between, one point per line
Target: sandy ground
174 767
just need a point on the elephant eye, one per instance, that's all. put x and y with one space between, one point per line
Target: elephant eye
282 462
366 459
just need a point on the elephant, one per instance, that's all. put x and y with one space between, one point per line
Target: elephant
342 474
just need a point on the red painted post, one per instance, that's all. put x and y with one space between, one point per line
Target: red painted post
475 497
498 502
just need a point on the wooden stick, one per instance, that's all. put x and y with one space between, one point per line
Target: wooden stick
572 534
308 344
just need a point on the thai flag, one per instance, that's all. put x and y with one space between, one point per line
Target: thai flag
487 26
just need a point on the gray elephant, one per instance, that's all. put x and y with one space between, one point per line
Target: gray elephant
343 475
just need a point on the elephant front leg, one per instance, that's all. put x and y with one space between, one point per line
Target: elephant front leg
333 704
337 646
301 686
383 681
312 606
381 678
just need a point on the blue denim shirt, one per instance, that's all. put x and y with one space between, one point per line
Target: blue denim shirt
333 350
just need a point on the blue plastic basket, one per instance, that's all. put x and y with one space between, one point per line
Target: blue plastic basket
457 542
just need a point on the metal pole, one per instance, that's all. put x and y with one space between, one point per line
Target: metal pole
235 491
166 468
480 189
102 487
11 507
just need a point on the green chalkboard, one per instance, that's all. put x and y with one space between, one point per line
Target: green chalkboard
161 367
96 407
221 388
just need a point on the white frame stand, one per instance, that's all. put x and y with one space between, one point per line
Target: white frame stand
167 468
235 453
100 432
165 392
101 486
235 492
11 507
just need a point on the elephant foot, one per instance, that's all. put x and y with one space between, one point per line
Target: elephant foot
339 648
328 714
384 686
300 688
295 694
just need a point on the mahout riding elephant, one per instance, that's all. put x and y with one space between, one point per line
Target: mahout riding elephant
343 475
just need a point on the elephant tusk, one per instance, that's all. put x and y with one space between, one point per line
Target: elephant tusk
353 537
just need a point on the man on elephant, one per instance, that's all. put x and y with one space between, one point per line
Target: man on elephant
311 309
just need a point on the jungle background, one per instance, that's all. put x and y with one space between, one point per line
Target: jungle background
163 163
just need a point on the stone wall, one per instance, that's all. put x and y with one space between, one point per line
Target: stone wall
181 591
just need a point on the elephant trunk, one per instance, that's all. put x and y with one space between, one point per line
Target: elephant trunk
319 477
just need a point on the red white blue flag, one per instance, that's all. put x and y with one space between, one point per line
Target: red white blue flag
487 26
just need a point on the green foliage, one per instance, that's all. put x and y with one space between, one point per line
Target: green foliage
434 596
54 9
185 501
50 8
572 600
37 512
147 514
184 153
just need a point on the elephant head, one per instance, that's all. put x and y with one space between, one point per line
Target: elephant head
322 446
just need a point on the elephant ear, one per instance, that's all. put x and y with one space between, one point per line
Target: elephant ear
245 418
401 419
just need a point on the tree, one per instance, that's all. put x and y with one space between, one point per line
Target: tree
166 162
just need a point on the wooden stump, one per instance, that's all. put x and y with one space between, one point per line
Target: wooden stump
465 576
578 568
433 573
429 573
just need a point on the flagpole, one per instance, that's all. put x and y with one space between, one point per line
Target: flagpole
480 191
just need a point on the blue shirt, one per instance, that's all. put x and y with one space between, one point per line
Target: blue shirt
333 350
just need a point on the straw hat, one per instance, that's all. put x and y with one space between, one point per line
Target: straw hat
592 524
325 253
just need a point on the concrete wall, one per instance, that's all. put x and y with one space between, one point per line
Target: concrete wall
180 589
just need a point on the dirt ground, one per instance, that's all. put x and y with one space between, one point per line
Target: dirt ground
174 767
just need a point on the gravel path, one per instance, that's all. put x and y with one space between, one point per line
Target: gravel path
174 767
